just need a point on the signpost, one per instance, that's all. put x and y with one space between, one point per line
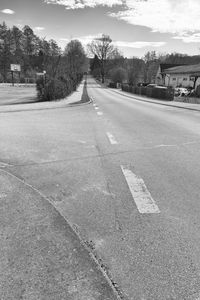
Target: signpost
15 68
43 74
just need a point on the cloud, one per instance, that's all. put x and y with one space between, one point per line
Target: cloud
77 4
88 38
8 11
138 44
38 28
188 37
124 44
64 40
166 16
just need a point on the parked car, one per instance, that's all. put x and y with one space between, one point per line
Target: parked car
181 91
142 84
153 85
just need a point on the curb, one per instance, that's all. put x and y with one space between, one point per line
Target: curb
86 245
84 95
151 101
73 104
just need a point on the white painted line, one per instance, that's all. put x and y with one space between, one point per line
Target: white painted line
94 104
141 195
99 113
96 107
111 138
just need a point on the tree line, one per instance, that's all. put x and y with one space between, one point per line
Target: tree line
63 69
109 63
24 47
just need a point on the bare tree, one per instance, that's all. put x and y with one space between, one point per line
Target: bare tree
102 47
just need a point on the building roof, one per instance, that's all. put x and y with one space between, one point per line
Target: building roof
186 69
167 66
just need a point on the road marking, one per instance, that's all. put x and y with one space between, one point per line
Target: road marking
111 138
142 197
99 113
96 107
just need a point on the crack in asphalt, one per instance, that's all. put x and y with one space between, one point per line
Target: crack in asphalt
100 155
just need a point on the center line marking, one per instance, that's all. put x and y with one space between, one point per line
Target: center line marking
99 113
141 195
111 138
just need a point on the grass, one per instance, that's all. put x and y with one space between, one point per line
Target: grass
17 94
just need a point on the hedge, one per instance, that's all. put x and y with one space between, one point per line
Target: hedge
54 89
153 92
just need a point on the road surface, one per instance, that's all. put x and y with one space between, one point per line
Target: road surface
125 174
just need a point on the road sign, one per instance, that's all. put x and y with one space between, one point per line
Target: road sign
15 68
40 74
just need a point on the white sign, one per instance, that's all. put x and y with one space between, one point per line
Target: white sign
40 74
15 68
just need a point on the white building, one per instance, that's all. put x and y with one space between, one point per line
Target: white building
179 76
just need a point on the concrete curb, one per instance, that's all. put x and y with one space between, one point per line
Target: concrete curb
155 102
72 104
151 101
100 266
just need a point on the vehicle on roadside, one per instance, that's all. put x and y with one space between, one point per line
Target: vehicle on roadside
181 92
153 85
144 84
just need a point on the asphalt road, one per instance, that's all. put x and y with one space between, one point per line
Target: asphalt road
125 174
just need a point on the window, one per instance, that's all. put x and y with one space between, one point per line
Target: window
173 78
185 79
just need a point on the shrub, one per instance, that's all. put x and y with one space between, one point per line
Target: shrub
159 93
52 90
112 85
118 74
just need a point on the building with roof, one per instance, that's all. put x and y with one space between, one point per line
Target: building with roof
161 75
181 76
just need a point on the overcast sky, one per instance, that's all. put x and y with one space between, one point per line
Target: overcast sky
135 26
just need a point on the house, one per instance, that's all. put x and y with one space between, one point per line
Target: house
178 75
182 76
161 75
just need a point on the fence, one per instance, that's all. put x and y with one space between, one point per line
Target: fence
153 92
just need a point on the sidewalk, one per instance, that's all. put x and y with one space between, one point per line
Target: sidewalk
182 105
74 97
41 257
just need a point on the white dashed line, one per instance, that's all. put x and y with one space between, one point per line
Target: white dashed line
111 138
96 107
99 113
141 195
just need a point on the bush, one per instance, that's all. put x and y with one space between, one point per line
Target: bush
1 78
112 85
22 80
52 90
118 74
159 93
